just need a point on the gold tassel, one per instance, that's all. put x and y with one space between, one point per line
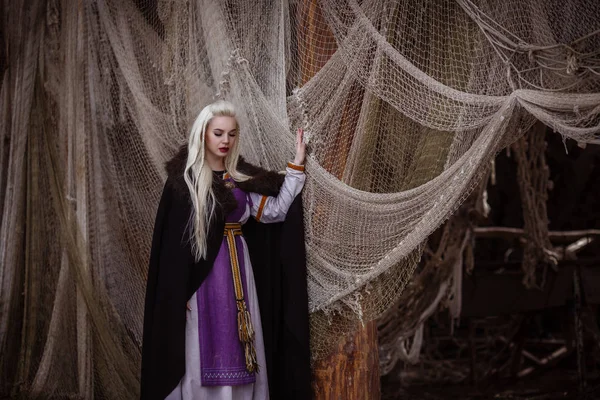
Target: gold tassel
246 335
250 353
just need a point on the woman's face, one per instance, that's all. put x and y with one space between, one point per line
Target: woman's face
221 134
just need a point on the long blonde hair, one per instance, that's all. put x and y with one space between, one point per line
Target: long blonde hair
198 175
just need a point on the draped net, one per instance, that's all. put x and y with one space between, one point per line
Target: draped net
404 104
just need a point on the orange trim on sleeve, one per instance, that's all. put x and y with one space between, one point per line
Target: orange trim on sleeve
296 167
263 200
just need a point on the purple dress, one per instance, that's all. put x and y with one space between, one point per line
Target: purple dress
222 359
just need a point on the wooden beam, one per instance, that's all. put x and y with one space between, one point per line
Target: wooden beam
352 370
499 232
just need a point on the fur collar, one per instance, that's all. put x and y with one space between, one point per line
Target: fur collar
263 182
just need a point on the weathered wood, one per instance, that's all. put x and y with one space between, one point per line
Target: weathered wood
352 370
512 233
316 43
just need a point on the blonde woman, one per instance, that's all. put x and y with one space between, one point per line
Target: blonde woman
226 313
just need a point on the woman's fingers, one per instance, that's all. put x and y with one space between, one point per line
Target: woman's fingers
300 147
188 306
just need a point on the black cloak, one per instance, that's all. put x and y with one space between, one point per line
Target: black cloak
278 260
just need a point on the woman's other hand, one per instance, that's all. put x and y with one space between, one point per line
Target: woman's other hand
300 147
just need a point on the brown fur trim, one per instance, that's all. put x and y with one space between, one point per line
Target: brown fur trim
176 165
263 182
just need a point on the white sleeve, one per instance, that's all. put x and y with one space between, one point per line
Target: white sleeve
270 209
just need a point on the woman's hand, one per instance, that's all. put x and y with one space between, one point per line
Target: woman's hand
300 148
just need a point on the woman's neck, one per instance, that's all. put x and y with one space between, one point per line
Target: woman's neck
215 163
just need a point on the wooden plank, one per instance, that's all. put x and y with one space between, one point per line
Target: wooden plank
351 371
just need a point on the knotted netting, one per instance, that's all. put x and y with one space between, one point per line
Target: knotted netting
404 104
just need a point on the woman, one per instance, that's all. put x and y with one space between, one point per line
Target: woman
226 313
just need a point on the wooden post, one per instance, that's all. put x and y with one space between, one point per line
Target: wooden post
351 371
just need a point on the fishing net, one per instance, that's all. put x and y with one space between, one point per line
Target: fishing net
404 105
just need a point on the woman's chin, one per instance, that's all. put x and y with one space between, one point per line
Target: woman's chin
220 155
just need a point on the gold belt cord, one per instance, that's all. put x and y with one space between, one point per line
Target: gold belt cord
245 329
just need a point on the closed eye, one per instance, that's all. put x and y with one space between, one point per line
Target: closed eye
219 133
